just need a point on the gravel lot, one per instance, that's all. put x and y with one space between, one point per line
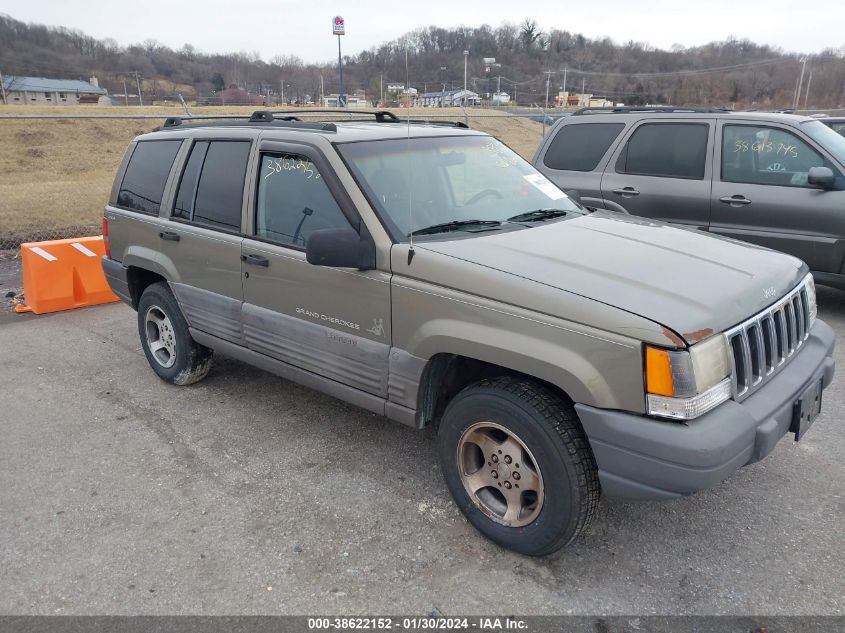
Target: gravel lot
246 494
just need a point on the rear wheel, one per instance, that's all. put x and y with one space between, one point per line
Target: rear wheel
173 355
518 464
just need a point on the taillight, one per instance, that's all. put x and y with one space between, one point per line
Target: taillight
106 236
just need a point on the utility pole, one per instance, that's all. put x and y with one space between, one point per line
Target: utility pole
466 55
807 94
322 94
138 81
797 96
3 88
282 87
125 92
381 88
548 74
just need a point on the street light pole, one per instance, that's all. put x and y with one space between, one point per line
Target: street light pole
466 55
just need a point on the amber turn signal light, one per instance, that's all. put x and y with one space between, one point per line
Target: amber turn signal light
658 372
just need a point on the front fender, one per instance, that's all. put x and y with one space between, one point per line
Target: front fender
576 364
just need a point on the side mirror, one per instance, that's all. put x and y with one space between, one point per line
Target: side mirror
821 177
573 195
340 248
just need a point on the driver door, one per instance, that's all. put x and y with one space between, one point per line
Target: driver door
334 322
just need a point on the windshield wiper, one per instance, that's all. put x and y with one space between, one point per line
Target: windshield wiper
538 215
454 225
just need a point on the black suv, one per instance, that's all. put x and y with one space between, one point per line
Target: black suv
777 180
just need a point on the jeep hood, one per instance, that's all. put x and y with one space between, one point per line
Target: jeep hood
689 281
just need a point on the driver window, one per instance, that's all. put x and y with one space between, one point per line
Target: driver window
766 156
293 201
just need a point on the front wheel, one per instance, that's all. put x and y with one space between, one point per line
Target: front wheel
518 464
173 355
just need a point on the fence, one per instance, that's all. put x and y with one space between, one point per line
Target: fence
56 170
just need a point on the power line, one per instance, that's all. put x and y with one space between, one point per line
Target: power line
675 73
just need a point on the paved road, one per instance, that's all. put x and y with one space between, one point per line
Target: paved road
120 494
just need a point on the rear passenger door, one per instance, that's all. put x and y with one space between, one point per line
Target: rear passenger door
662 171
334 322
200 243
574 157
761 194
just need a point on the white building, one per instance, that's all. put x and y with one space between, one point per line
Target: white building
449 98
44 91
352 101
500 98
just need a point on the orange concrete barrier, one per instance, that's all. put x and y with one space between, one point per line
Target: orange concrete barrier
63 274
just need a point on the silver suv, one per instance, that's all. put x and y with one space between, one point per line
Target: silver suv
429 274
777 180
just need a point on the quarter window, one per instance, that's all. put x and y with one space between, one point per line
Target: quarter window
580 147
766 156
212 186
293 200
672 150
146 174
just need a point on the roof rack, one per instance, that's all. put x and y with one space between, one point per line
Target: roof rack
381 116
459 124
624 109
173 121
229 120
288 118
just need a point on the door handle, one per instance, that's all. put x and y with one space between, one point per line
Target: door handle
170 236
256 260
626 192
736 200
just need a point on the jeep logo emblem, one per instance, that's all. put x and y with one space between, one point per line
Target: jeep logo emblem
769 292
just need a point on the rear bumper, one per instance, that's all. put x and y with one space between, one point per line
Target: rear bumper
117 276
644 458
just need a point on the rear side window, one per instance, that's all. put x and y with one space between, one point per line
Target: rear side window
187 194
580 147
212 186
146 174
671 150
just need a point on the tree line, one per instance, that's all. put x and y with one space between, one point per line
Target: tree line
528 59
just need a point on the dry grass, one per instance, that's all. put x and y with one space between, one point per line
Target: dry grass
56 174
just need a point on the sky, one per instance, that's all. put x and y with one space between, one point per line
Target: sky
303 27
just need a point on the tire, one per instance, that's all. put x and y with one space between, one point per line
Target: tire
171 352
558 496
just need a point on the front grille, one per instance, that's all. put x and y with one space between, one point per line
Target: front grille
763 344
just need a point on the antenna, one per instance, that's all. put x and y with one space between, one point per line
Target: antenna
408 163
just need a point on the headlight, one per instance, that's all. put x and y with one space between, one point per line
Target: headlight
685 384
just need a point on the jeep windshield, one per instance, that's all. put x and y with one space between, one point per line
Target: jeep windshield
453 184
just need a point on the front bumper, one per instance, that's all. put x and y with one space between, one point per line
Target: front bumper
643 458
